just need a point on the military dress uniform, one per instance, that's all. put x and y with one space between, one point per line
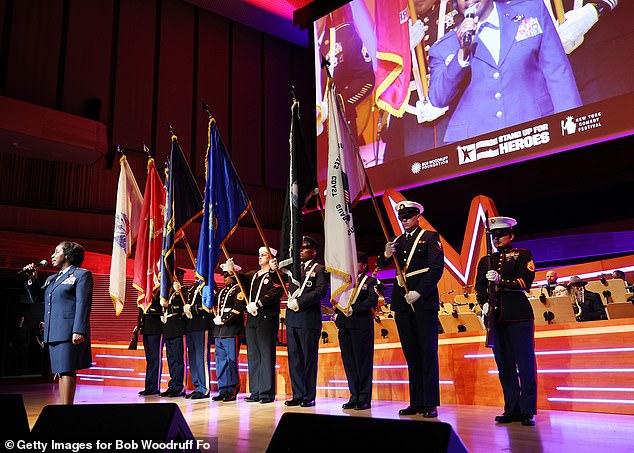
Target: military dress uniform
303 330
406 136
173 331
421 258
356 340
514 329
151 328
198 342
590 307
229 305
265 291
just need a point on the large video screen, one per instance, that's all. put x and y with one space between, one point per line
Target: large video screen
426 103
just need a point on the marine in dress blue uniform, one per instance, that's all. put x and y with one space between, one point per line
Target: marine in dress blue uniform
421 257
265 291
528 78
229 306
514 332
303 326
356 337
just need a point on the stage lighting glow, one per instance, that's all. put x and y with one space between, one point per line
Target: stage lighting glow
590 400
597 389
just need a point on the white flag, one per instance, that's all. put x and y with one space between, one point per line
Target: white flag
346 183
126 228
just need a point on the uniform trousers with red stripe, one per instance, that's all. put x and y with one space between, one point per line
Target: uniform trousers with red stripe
227 351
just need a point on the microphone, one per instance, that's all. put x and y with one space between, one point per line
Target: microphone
470 13
40 264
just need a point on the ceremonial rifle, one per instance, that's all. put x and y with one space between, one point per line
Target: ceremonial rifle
491 288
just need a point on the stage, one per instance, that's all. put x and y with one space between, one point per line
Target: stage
248 427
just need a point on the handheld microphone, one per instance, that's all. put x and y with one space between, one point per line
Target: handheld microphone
470 13
40 264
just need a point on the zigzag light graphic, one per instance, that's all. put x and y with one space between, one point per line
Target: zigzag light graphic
461 266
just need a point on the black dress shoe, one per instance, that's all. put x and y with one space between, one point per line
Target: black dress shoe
308 403
266 400
229 398
146 393
199 396
361 406
508 418
166 393
252 399
293 402
430 412
411 410
349 405
175 394
528 420
218 397
189 395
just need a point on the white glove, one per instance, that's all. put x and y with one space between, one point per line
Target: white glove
493 276
578 22
416 33
229 266
187 309
412 296
348 312
292 304
425 111
273 264
218 321
252 308
390 249
177 286
485 309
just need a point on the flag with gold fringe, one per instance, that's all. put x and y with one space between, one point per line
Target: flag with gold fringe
225 204
347 181
126 225
148 249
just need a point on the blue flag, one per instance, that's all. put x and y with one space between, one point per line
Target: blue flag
183 205
225 204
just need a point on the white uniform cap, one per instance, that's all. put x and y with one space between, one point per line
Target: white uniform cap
501 223
263 250
408 205
235 267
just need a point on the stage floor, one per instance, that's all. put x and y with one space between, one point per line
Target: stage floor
248 427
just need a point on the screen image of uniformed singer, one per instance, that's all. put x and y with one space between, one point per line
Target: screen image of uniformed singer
504 66
513 271
67 298
419 253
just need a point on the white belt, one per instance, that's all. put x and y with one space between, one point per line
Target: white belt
410 274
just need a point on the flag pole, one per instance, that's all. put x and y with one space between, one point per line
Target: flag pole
224 250
266 244
399 271
189 250
422 70
257 225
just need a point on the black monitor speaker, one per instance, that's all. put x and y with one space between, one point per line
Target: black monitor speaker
297 432
158 422
16 423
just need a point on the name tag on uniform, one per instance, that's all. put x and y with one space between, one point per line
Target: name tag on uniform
70 280
528 28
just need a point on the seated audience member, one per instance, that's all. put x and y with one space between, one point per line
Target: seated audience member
551 282
560 291
586 304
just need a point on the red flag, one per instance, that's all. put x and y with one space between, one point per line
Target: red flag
150 240
394 60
